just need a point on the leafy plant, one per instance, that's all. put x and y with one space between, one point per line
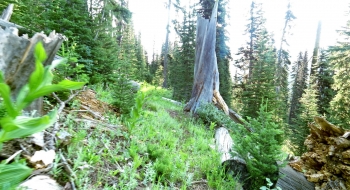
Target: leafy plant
269 186
135 114
14 125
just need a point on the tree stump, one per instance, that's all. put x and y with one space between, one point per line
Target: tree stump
17 60
327 162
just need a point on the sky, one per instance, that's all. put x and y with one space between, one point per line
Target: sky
150 19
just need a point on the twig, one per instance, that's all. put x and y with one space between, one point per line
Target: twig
118 166
72 184
97 123
97 115
13 156
66 166
24 149
56 127
69 170
197 182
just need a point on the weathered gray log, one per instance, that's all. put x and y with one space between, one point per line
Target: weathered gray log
230 159
293 180
5 18
17 60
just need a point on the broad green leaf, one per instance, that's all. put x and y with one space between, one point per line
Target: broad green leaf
2 78
21 96
71 85
64 85
28 126
12 174
40 54
7 124
36 78
5 94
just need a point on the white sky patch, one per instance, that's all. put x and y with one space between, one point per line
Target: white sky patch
150 18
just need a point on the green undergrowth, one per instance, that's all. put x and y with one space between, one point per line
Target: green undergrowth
157 146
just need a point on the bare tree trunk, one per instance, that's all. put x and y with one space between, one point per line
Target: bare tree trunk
165 68
316 48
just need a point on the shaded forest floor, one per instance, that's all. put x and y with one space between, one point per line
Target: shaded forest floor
161 148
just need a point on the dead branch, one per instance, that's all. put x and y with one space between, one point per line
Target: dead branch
51 142
97 123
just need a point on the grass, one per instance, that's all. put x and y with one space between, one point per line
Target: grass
158 147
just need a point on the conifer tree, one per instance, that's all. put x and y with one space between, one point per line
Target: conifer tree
182 64
261 148
340 60
324 81
282 70
258 62
261 83
307 111
299 77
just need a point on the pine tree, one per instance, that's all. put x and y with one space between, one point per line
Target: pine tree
282 70
261 83
258 62
324 80
307 111
340 60
261 148
140 67
299 77
182 63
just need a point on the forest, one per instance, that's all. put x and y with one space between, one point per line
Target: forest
125 124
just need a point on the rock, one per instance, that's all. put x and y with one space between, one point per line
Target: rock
40 182
135 85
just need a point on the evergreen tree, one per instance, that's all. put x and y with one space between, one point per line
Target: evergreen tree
255 26
182 62
324 80
260 148
140 67
340 60
261 83
222 50
258 62
299 77
282 70
307 111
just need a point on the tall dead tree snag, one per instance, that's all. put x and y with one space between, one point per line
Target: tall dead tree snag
206 75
